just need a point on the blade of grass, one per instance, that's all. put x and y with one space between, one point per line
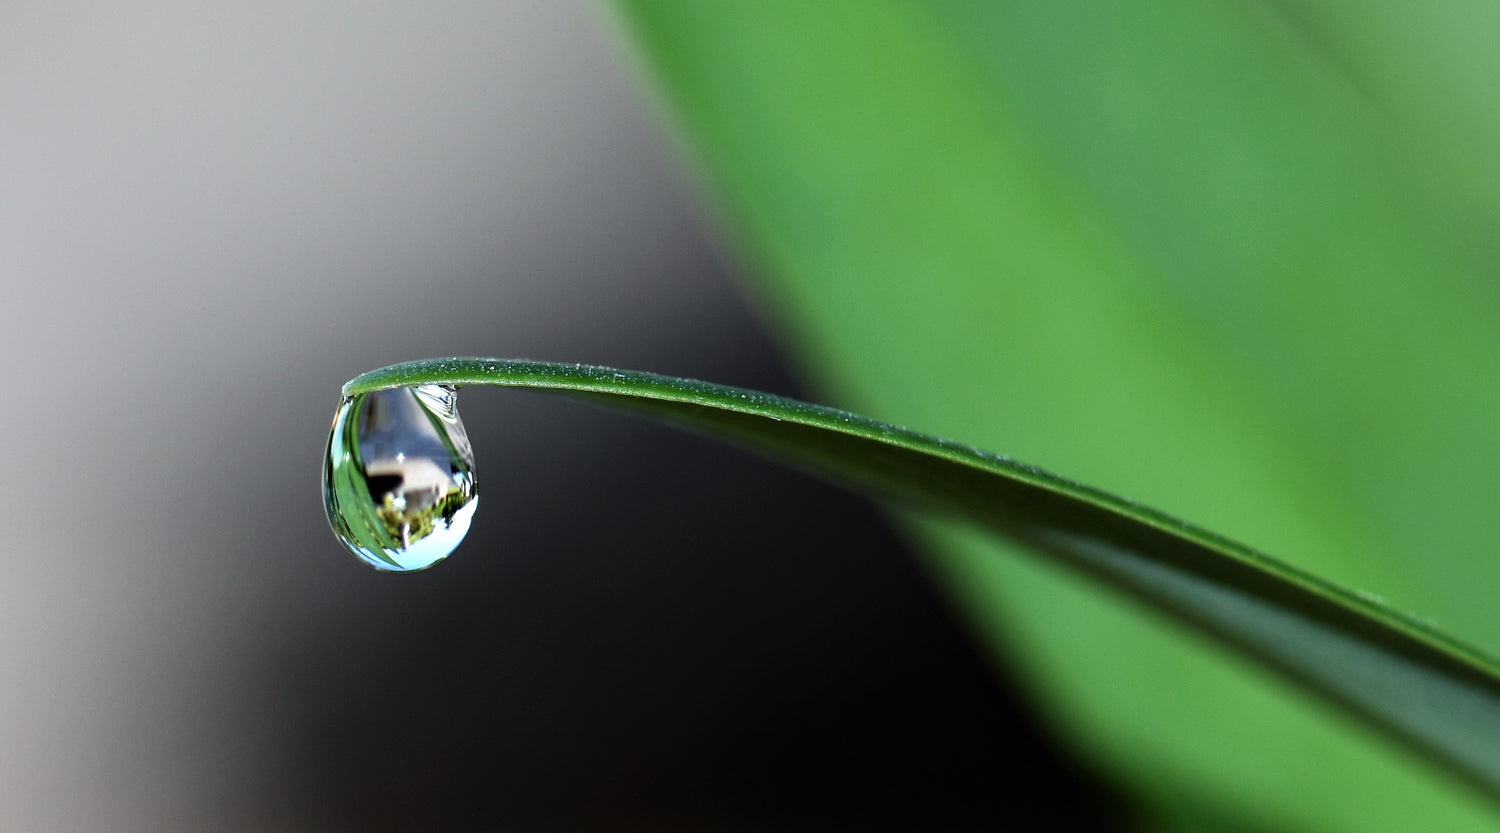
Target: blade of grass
1096 234
1398 673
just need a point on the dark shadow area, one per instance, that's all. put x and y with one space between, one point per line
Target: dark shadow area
650 631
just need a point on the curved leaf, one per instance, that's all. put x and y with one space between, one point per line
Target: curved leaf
1204 235
1400 674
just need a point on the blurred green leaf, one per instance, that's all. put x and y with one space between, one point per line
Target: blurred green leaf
1223 257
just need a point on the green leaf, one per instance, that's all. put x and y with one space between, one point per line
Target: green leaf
1399 673
1225 257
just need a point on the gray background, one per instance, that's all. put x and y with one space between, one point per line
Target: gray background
212 216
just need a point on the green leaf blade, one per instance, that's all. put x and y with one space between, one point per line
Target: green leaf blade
1104 234
1397 672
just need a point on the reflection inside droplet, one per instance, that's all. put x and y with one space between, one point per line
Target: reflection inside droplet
398 478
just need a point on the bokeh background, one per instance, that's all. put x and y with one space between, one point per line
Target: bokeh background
1233 259
210 218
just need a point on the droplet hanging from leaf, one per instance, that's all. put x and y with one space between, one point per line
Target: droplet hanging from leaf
398 477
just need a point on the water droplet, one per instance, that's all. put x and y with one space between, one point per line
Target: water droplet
398 478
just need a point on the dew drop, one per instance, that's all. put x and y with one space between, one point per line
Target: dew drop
398 478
